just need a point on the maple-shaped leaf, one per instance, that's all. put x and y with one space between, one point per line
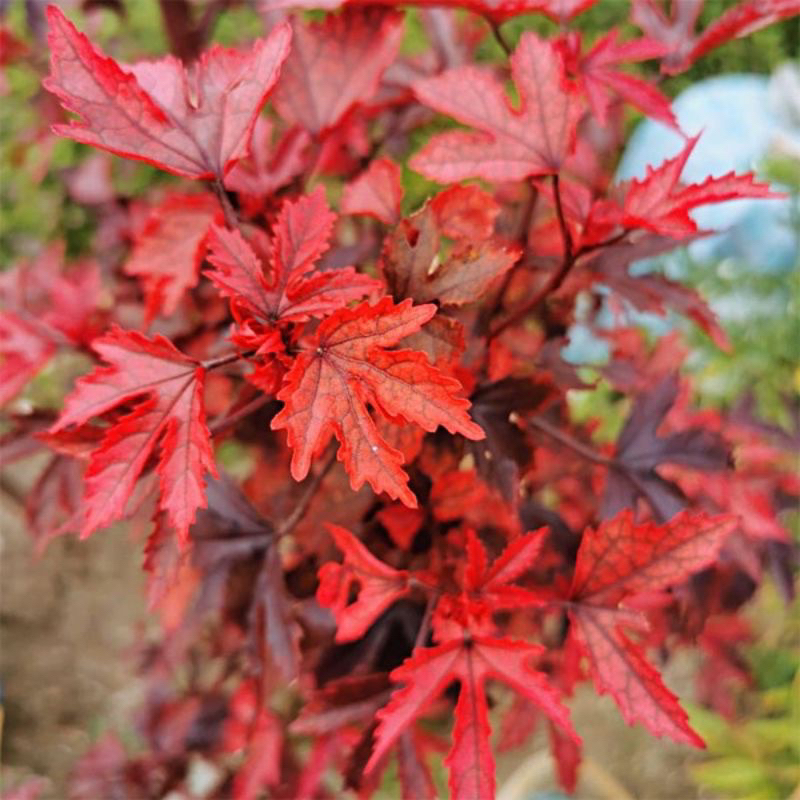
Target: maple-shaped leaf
677 30
640 450
379 586
229 532
345 367
621 559
412 269
472 660
169 389
377 192
294 290
661 204
335 64
195 122
599 73
508 144
486 589
169 249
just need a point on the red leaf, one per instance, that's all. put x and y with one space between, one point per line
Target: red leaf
346 366
660 204
677 30
43 307
621 559
25 348
510 145
567 755
169 388
471 661
412 269
296 291
620 669
402 523
742 20
170 248
260 731
269 167
442 340
599 74
488 589
485 590
377 192
193 122
336 64
557 10
465 213
379 586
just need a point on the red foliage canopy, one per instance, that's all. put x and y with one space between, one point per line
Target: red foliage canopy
424 331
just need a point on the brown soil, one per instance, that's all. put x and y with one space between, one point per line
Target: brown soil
67 620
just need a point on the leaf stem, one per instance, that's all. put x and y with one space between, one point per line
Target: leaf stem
597 458
308 495
484 318
553 283
231 217
216 363
425 623
572 444
498 35
228 420
590 248
566 236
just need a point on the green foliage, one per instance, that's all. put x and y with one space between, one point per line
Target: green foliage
757 757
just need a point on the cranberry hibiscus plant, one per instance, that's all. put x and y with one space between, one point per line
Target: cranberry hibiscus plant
419 528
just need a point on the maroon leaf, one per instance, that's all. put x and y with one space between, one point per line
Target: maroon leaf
640 450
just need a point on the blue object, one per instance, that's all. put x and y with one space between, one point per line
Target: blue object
738 124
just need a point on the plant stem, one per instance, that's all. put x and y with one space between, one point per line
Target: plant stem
597 458
308 495
590 248
498 35
425 624
554 282
572 444
231 217
566 236
216 363
229 420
